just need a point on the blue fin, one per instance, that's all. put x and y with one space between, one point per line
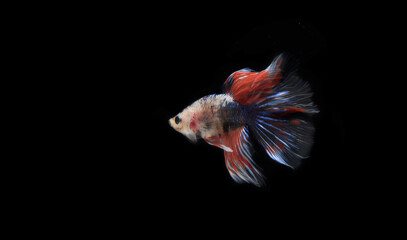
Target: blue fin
283 125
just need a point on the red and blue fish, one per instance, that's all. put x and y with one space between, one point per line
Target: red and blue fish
273 105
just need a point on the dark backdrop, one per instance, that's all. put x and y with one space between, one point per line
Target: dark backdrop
191 60
146 70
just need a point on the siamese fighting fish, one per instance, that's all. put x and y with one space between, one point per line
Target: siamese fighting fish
272 107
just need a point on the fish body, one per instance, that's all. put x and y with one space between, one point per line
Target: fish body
271 105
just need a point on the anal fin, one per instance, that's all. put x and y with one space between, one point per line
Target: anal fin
239 161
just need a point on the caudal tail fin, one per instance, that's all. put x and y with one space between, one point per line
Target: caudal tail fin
283 123
283 106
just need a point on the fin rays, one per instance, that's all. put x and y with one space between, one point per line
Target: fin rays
282 106
239 162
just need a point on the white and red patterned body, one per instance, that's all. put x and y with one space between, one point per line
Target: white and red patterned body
210 118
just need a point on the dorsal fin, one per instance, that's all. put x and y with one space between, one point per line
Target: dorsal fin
248 87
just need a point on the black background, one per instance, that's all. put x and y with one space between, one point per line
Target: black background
145 70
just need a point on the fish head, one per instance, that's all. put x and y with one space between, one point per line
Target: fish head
182 124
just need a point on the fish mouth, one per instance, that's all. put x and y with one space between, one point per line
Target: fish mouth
171 122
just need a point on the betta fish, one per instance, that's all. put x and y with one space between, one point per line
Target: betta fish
272 106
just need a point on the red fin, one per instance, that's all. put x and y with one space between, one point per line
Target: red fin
248 87
280 112
239 162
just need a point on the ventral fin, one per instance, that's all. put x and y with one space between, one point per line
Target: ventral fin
217 142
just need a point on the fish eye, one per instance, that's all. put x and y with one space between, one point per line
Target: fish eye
177 120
